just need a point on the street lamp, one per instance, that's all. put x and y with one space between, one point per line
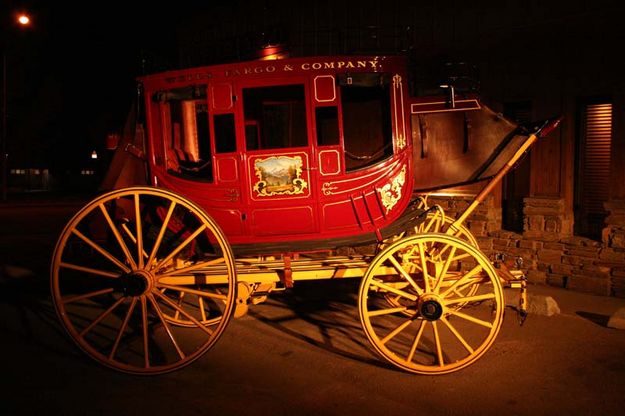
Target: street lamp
23 20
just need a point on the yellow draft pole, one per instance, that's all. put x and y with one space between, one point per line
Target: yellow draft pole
545 129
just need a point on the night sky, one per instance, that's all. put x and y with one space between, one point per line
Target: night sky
71 74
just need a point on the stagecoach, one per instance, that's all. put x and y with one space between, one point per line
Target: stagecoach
240 180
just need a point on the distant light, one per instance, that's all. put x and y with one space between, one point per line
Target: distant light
23 19
94 155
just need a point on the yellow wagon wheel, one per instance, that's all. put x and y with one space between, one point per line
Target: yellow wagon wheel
425 332
131 263
189 300
437 222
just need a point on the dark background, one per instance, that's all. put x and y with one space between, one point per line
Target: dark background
71 74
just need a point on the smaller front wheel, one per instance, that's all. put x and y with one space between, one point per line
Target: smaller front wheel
430 276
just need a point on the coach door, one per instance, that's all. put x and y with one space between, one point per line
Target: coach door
278 157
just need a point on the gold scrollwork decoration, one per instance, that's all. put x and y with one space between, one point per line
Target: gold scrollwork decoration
328 188
401 141
391 193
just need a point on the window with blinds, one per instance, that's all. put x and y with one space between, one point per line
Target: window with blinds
593 168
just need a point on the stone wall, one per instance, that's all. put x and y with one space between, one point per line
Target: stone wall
551 253
613 245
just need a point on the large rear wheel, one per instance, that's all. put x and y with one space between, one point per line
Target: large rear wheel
143 280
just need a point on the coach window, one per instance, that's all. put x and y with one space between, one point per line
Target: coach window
225 137
366 114
187 145
327 123
275 117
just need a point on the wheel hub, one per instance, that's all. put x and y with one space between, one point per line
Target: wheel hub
135 283
430 308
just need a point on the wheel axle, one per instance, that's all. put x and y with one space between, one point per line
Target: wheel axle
431 309
135 283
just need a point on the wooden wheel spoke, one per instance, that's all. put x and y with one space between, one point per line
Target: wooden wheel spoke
184 313
181 246
443 250
394 299
122 329
424 268
180 297
101 250
477 269
461 257
439 350
475 298
454 331
435 219
202 308
443 271
118 236
161 233
199 293
89 270
394 290
387 311
76 298
467 284
139 226
170 334
146 338
471 318
103 315
132 237
193 267
405 274
415 342
396 331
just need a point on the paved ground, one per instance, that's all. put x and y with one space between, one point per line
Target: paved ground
303 352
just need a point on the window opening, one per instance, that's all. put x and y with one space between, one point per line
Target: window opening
366 114
188 151
225 137
327 123
275 117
